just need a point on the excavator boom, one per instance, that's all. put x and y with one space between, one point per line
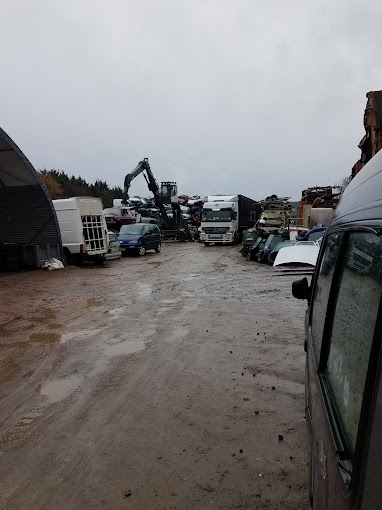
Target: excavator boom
170 224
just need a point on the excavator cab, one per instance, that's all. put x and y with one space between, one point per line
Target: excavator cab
169 192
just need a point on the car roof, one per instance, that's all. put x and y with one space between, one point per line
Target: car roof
362 199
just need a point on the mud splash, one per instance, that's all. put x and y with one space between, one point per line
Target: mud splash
46 338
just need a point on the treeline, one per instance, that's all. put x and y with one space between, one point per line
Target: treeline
61 185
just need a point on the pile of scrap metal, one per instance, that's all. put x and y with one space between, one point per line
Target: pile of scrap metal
317 205
275 217
271 228
371 142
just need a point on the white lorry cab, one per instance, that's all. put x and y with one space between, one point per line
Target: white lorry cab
83 228
224 217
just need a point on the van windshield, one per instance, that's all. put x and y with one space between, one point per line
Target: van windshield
134 229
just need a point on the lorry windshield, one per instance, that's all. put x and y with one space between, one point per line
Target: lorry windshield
221 215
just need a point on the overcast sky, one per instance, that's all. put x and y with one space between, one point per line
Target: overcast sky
238 96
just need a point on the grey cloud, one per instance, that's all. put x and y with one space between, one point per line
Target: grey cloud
222 96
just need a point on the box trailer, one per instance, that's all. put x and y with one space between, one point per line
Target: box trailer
83 228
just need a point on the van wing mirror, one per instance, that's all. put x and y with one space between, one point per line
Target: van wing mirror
301 289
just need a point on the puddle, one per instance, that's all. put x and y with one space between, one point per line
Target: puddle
54 326
85 303
125 348
144 290
46 338
58 390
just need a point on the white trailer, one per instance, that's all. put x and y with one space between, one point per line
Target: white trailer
83 228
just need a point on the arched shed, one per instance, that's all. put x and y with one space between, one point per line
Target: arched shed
29 230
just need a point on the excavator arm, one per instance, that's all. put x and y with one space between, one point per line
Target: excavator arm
144 166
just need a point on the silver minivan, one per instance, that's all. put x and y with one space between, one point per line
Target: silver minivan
343 345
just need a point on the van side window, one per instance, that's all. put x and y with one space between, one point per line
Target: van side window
322 289
354 320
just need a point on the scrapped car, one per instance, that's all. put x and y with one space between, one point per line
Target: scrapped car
139 238
343 344
313 234
114 247
117 216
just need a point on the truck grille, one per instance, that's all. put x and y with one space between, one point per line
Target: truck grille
217 237
93 233
215 230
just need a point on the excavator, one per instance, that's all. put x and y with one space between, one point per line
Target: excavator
172 227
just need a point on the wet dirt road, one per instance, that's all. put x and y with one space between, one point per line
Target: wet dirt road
172 381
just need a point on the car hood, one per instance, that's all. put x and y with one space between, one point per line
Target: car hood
129 237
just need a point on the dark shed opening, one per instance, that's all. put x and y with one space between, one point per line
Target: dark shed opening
29 230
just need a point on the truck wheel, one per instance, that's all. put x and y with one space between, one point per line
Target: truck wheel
67 257
206 244
182 236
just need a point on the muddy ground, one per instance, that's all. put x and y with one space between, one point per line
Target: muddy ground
169 381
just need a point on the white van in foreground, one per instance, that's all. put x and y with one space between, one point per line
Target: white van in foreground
83 228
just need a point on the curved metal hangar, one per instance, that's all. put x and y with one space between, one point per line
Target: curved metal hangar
29 231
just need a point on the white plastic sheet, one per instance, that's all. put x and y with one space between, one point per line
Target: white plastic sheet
52 264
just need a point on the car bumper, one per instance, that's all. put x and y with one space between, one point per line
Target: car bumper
111 256
130 247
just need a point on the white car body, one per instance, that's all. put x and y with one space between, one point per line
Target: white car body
304 252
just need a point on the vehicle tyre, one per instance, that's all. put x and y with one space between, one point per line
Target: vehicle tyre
182 237
261 257
67 257
206 244
158 248
142 251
